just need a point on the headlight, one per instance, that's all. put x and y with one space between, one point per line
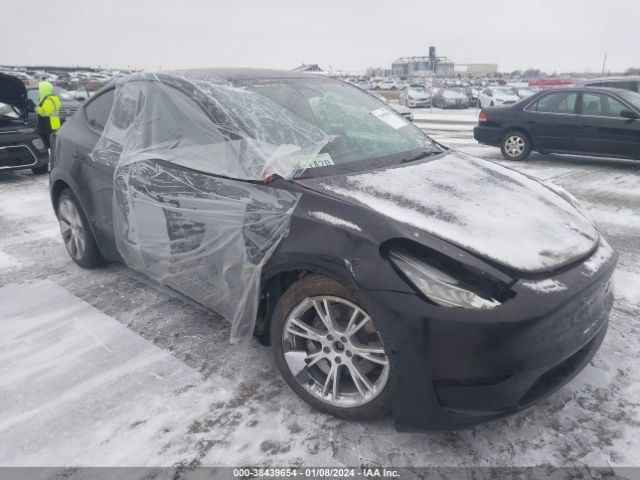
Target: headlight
438 286
39 144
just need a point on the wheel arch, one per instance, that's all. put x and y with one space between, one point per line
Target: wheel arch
521 129
57 187
56 190
276 281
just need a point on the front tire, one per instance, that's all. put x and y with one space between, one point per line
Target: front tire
76 233
40 170
515 145
328 350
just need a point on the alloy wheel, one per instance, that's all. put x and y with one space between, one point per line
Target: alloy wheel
72 229
334 351
514 145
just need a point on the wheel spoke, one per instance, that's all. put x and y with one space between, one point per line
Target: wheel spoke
352 320
314 358
332 380
73 249
372 354
305 331
64 226
64 211
80 242
353 330
76 243
361 382
323 313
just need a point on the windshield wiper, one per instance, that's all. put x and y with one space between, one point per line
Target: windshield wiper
421 155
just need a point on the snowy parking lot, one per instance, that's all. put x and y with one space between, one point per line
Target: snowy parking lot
104 368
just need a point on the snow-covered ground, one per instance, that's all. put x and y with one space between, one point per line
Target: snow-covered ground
102 368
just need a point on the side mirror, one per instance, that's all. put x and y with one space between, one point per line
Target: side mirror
630 114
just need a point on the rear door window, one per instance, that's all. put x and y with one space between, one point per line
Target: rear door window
98 110
557 102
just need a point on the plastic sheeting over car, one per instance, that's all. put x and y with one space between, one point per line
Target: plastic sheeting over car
190 153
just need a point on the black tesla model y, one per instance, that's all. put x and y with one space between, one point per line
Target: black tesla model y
387 273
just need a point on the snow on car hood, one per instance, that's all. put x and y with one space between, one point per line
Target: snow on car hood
505 216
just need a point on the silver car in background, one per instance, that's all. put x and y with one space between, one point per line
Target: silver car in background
413 97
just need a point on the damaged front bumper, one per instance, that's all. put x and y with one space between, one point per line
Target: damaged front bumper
453 368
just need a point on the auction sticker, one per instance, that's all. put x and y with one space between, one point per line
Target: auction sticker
389 118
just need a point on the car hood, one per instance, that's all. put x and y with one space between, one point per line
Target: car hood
506 96
13 92
506 217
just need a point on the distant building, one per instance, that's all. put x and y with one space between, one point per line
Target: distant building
379 72
445 67
407 66
477 69
311 68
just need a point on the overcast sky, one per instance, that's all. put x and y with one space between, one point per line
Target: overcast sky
562 35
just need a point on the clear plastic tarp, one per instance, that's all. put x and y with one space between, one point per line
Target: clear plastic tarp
191 209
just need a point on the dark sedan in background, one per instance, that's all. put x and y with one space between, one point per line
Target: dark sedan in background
450 98
586 121
20 145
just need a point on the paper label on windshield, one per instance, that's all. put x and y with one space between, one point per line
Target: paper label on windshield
320 160
389 118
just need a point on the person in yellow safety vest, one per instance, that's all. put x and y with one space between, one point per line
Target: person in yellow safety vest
48 112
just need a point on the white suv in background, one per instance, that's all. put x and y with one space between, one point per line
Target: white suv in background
497 97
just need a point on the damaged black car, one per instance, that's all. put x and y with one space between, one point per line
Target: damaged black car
20 144
387 272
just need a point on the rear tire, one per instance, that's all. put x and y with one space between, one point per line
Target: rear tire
76 232
515 145
337 348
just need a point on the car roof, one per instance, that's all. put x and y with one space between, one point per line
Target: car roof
228 74
584 89
611 79
247 74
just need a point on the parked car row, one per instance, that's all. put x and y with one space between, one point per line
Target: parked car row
62 78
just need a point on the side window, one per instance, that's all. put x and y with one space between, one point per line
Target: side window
612 107
97 111
600 105
557 102
592 104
